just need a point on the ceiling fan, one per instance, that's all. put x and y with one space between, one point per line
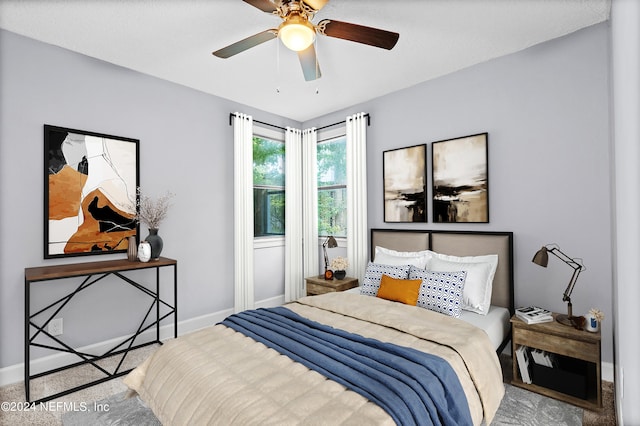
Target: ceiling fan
298 33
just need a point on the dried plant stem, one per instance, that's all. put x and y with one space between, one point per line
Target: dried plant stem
152 212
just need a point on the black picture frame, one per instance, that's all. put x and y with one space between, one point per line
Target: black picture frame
460 179
90 192
404 184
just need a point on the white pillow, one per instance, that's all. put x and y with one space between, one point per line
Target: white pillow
385 256
479 283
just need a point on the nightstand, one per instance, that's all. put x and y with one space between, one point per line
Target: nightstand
318 285
576 377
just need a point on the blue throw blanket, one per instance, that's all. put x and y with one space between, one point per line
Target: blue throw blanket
413 387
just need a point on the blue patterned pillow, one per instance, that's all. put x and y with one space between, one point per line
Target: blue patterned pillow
373 274
440 291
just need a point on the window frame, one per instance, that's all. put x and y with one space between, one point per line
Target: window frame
267 241
326 135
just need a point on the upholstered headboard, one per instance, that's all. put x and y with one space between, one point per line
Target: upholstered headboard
458 243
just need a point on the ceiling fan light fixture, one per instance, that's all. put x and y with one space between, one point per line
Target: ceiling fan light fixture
296 32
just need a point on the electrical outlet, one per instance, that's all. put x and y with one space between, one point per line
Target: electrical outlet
55 327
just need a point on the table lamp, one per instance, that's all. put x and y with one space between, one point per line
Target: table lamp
330 242
542 258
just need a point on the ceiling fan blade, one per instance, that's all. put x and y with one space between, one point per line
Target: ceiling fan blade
316 4
247 43
309 62
359 33
263 5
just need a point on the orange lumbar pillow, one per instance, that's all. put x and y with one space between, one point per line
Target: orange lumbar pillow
398 290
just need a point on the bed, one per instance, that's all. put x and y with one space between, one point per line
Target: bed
340 348
466 244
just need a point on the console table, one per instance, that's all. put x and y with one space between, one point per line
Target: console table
92 273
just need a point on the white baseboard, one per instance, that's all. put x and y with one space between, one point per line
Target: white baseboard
606 369
15 373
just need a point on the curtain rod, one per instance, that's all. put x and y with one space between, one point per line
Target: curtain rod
344 121
231 115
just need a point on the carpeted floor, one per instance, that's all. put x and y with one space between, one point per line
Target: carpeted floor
50 413
111 404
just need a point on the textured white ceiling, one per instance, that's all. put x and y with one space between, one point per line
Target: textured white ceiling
173 40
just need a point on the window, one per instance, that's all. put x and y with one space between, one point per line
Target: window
332 187
268 187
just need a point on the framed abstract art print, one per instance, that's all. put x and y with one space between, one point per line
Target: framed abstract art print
404 175
90 192
460 179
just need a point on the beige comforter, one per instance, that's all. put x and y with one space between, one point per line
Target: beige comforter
219 376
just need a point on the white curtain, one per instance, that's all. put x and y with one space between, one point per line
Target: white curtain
310 200
301 211
243 211
293 259
357 248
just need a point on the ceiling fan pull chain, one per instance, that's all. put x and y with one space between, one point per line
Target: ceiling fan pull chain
278 68
317 63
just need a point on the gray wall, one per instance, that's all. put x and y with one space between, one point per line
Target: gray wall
186 146
546 110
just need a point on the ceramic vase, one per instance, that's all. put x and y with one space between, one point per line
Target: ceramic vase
340 274
132 250
591 324
144 251
156 243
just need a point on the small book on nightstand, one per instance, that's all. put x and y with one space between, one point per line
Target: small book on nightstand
534 314
523 356
545 358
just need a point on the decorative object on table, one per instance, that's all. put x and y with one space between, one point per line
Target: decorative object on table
330 242
89 179
405 186
460 179
534 314
578 322
132 249
152 212
593 320
156 243
339 266
144 251
542 258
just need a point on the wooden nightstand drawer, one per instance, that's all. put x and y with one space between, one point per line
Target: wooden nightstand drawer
318 285
587 351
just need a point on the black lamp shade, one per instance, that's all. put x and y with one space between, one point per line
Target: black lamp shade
541 257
